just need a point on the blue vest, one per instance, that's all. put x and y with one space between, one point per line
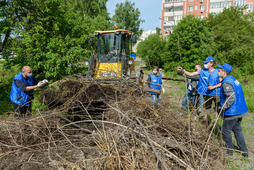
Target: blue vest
203 81
208 79
155 82
17 96
213 80
239 106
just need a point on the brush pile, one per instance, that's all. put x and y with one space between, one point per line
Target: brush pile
104 126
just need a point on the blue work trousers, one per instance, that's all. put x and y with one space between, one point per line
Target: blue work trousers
235 126
156 96
200 99
187 97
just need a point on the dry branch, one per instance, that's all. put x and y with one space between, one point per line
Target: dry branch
124 132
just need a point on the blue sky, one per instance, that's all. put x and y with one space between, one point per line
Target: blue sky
150 11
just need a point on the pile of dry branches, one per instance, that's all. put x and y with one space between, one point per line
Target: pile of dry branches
104 126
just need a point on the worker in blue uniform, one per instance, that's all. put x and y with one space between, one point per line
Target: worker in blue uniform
155 82
212 91
209 84
233 108
22 91
191 91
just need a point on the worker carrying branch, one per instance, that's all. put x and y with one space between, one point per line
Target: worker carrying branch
155 82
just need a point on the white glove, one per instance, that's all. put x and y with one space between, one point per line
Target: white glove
45 81
40 84
163 90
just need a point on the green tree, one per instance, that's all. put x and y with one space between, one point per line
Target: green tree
233 34
158 30
128 17
11 13
53 36
150 50
188 44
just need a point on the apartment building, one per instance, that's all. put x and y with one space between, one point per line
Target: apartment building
174 10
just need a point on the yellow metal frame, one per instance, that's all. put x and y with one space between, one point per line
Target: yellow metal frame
114 31
108 70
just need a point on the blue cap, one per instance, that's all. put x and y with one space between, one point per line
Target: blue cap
226 67
209 59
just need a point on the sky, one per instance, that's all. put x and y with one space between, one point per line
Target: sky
150 11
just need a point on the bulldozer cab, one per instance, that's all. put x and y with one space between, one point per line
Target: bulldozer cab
111 57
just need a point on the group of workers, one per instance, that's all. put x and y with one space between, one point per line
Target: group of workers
212 84
206 85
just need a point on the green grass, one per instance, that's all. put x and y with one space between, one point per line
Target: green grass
248 89
239 162
248 129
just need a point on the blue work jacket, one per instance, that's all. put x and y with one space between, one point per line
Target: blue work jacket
155 82
239 106
208 79
18 96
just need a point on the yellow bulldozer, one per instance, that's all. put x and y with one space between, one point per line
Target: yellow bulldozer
112 59
112 56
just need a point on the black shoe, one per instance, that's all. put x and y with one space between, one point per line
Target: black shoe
246 155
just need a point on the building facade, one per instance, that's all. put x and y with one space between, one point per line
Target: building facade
174 10
144 36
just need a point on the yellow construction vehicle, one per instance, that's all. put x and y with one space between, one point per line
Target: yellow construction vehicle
111 58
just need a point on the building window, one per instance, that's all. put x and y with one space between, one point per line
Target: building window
170 18
190 0
190 8
176 18
174 9
166 1
226 4
202 8
250 7
239 3
201 16
168 9
168 28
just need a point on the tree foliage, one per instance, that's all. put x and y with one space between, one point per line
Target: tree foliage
11 13
128 17
227 36
233 33
151 49
188 44
52 37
